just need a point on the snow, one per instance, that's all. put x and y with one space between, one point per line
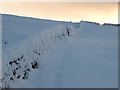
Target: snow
64 54
16 29
1 49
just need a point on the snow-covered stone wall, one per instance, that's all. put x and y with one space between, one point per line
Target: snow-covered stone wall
20 59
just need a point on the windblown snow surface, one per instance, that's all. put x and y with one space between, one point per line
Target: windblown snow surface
53 54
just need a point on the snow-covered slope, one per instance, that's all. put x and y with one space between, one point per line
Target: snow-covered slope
17 28
51 54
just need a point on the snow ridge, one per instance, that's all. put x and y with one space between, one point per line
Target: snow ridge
18 64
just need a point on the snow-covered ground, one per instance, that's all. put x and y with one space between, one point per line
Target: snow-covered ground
51 54
0 49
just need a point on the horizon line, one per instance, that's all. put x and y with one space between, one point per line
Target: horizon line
32 17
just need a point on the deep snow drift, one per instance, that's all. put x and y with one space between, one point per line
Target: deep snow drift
51 54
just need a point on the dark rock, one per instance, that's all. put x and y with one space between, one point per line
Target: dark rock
35 65
15 62
18 76
28 69
5 42
68 33
16 68
18 59
11 79
11 62
25 75
22 57
38 53
14 72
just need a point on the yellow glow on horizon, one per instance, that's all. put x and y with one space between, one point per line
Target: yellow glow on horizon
66 11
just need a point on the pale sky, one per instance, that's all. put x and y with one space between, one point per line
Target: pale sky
65 11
